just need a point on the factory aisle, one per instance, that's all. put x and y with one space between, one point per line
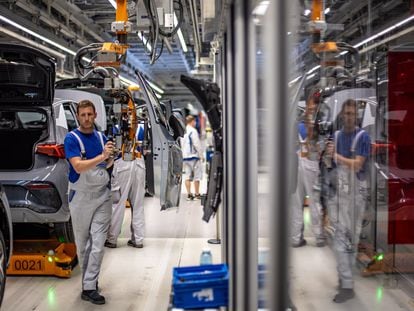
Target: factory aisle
131 279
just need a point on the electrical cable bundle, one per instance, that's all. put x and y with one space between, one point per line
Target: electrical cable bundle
156 33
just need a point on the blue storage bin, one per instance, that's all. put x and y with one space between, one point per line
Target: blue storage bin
262 274
200 286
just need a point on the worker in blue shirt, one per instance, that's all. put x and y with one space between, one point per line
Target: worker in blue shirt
88 153
349 151
128 183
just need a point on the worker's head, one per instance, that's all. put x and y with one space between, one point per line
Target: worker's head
86 115
190 120
349 114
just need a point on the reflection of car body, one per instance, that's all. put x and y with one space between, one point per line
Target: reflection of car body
33 168
164 162
6 239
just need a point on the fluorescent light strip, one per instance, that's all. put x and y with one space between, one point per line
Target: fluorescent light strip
32 43
155 87
294 80
14 24
261 8
145 41
129 82
180 35
113 3
313 69
384 31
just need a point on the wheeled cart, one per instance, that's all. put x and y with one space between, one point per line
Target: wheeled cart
42 257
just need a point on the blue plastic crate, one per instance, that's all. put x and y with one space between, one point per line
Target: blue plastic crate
200 286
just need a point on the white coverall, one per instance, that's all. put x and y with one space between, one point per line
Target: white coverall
345 213
308 173
128 177
90 209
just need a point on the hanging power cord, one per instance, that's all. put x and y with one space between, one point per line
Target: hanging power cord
156 33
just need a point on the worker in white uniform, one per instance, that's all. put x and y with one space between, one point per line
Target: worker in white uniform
349 151
308 174
90 201
192 158
128 183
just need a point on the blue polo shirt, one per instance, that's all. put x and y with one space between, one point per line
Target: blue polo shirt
363 148
93 147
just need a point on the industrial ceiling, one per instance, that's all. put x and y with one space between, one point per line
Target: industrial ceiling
73 24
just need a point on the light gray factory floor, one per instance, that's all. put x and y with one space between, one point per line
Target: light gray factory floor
140 279
131 279
314 279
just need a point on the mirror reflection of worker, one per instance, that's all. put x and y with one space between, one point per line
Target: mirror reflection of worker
128 183
349 150
88 152
308 173
192 158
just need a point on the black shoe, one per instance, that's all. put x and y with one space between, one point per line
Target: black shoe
93 296
136 245
300 244
198 197
190 197
344 294
320 244
109 244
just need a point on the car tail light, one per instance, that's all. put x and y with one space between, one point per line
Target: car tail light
51 150
43 194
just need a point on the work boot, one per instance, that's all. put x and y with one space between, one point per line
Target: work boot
93 296
320 243
109 244
343 295
136 245
299 244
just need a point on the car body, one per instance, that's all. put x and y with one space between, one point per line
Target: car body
33 169
6 239
164 161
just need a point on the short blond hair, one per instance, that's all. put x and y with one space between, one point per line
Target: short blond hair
189 119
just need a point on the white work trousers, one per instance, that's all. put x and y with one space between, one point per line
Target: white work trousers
90 210
128 177
308 173
345 211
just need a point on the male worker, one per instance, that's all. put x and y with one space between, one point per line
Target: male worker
128 179
88 152
350 149
192 156
308 173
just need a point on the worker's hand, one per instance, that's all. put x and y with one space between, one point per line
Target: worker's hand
108 150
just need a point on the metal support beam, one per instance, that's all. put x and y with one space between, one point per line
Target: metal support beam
281 169
242 160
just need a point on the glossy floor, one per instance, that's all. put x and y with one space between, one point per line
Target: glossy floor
131 279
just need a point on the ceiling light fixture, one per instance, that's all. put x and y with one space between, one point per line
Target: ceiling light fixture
145 41
399 24
14 24
307 12
32 43
180 35
261 8
156 87
327 10
113 3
